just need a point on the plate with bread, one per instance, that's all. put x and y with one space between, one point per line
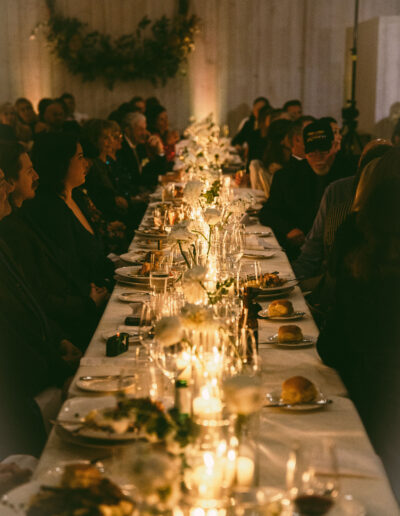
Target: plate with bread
297 394
290 335
281 310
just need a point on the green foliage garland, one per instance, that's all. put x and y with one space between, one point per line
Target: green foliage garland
129 57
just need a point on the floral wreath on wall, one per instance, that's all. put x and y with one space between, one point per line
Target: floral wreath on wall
94 55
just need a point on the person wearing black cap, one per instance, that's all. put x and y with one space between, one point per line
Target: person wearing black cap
297 191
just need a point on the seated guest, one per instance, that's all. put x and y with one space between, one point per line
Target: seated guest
276 155
158 124
295 138
138 104
26 114
70 108
294 109
142 155
30 354
361 336
296 192
335 206
101 183
257 140
249 124
62 168
52 118
8 117
72 305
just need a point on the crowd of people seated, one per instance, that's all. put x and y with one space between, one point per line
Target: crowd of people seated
73 189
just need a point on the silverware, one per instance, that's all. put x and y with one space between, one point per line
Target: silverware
105 377
289 405
76 422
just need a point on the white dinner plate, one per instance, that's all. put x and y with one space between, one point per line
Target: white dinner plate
295 316
305 342
288 284
134 256
274 397
260 233
77 408
149 245
262 256
151 233
264 294
131 274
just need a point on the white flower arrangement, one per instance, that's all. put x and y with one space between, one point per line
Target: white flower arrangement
192 191
181 233
168 330
197 273
212 216
243 394
197 317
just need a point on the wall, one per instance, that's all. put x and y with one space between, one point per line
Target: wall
278 48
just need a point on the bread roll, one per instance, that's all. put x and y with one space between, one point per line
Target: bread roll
298 389
280 307
290 333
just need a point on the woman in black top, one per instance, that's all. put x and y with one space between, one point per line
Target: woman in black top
60 211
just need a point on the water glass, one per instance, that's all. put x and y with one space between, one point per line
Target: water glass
312 477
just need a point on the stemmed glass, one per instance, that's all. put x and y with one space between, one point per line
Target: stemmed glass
234 243
172 360
159 276
312 478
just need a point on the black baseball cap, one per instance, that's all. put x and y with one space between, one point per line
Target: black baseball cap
317 136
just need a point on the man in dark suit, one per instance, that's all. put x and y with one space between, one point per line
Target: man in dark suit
297 189
141 155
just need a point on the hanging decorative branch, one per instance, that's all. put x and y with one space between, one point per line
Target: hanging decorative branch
138 55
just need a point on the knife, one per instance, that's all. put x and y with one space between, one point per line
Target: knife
289 405
105 377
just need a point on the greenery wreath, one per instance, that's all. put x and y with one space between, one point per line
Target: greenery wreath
129 57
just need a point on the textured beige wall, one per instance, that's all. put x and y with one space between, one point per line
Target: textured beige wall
278 48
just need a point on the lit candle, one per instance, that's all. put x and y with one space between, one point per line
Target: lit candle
183 364
244 471
207 406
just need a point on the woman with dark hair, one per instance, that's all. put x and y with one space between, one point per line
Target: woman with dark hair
70 304
158 124
60 211
361 336
25 113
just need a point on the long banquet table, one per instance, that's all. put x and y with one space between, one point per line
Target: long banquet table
360 469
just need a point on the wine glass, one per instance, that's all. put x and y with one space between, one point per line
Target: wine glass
234 243
173 360
159 276
312 478
250 274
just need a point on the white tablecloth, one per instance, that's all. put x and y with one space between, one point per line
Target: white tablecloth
361 472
